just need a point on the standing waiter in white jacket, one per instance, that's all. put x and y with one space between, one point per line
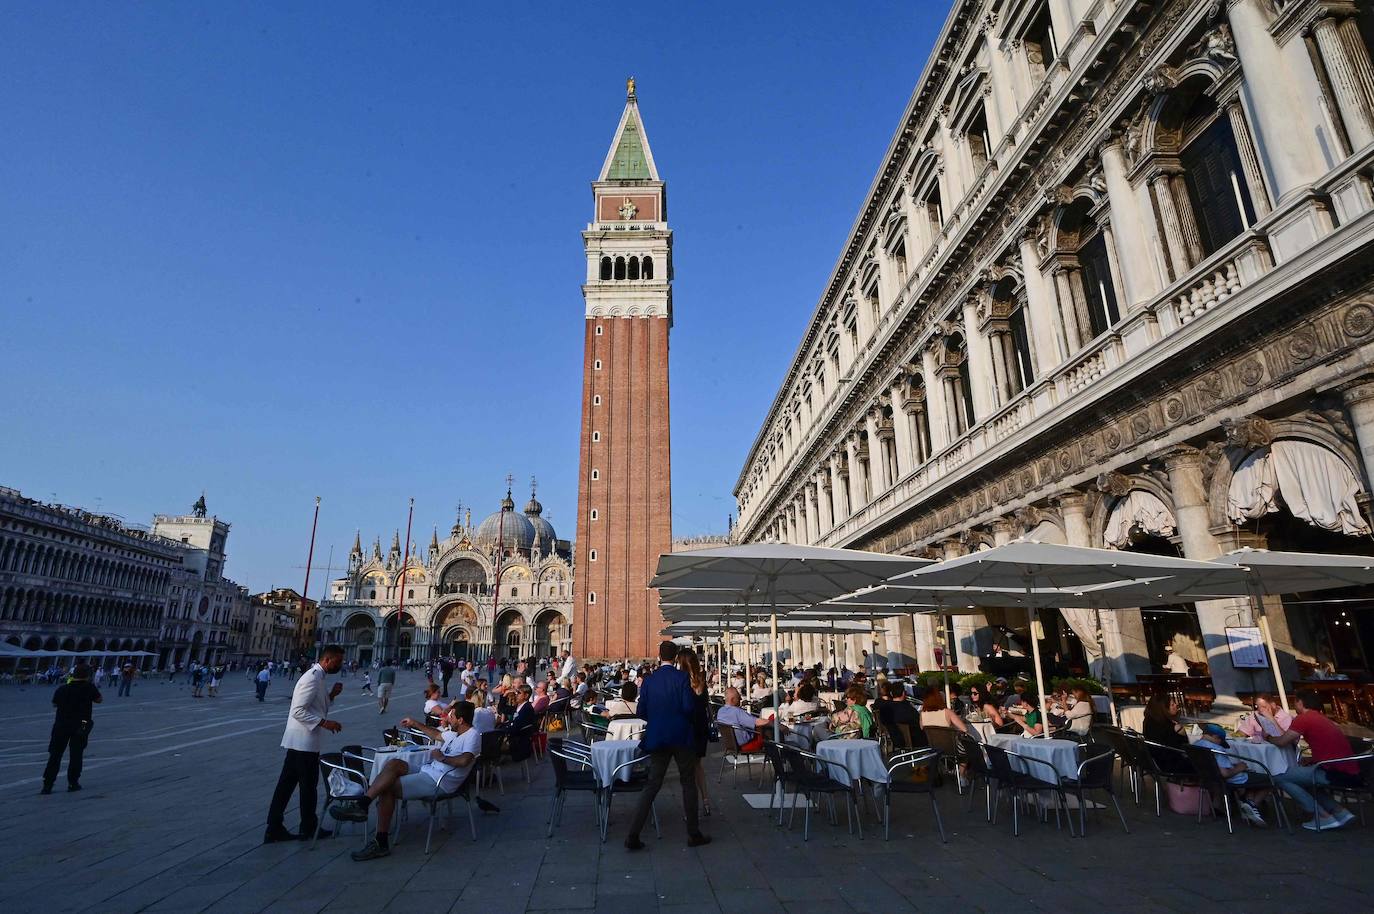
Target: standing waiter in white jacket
301 767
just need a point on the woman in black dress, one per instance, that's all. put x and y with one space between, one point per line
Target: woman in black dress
688 662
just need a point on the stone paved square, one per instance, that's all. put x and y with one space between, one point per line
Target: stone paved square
176 790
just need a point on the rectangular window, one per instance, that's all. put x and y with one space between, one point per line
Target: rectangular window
591 555
596 399
1216 186
1020 341
1097 284
596 366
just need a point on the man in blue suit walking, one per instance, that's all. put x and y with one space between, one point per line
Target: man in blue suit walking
667 703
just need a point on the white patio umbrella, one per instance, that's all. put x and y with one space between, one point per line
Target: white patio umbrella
1279 573
777 572
1047 573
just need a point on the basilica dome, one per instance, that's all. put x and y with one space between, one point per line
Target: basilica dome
511 530
547 537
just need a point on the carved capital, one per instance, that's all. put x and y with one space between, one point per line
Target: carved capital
1357 390
1249 433
1113 484
1179 456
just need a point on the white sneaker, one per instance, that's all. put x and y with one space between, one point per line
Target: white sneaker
1344 817
1328 823
1252 815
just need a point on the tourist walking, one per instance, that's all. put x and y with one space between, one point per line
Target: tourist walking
126 679
71 727
263 681
215 674
668 705
300 770
367 682
386 681
197 679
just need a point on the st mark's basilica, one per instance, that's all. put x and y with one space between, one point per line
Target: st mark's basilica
503 587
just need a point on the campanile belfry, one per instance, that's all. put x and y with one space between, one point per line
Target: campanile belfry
624 518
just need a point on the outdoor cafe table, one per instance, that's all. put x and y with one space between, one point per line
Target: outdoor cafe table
861 756
1061 753
609 754
625 728
1277 759
808 732
414 756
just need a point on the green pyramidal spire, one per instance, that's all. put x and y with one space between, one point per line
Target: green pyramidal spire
629 161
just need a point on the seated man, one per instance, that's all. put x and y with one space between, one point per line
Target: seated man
446 770
748 728
1303 782
1234 770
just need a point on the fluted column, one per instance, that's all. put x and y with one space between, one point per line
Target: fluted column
1180 233
901 433
1349 72
877 465
980 364
1043 324
839 490
1358 395
809 514
935 402
1139 280
825 509
1068 317
858 479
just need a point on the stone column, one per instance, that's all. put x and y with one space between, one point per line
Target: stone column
923 627
826 512
1139 280
809 514
1003 531
1358 395
858 479
839 489
1349 72
970 631
1180 243
901 433
1045 332
1068 314
935 402
980 364
1184 465
1249 157
877 466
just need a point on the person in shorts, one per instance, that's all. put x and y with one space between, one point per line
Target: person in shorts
445 771
1234 770
386 681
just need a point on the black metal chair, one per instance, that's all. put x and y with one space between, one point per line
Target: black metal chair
568 779
1346 786
1213 782
1020 781
979 769
343 807
1150 754
811 777
732 757
489 762
902 778
782 776
1096 772
639 780
945 740
1124 745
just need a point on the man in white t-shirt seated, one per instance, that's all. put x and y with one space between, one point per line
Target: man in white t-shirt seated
443 772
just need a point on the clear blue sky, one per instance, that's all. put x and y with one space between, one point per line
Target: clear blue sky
274 251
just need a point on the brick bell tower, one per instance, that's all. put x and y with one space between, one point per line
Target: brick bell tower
624 518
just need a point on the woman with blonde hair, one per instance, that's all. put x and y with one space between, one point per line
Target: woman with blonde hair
689 663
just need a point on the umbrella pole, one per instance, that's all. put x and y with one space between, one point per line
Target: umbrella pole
947 624
1039 674
777 680
1258 603
1106 667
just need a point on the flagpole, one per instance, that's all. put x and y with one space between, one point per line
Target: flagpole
309 558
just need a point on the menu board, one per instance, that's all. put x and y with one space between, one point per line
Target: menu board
1247 648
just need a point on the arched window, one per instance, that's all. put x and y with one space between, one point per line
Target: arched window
634 268
605 268
620 268
1212 172
647 268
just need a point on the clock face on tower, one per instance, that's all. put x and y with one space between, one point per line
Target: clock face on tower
628 209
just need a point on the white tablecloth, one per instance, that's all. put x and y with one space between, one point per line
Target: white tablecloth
609 754
983 728
414 756
810 733
1061 753
861 756
1132 718
625 728
1278 759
